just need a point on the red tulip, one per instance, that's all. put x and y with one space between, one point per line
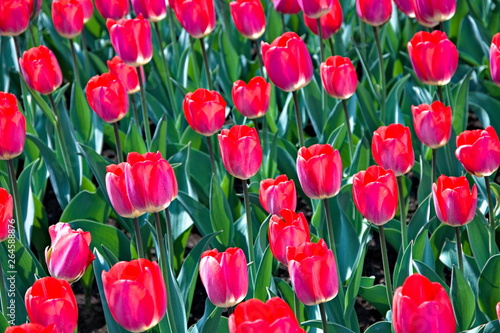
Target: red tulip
117 191
69 254
406 6
6 213
277 194
205 111
151 10
422 306
495 59
498 311
196 16
252 99
433 56
454 202
288 62
136 294
12 127
107 97
434 11
392 148
330 22
14 17
313 272
88 9
479 151
432 124
286 6
224 276
274 316
291 229
127 74
241 151
249 17
31 328
112 9
374 12
41 70
315 8
131 39
320 171
339 77
67 16
375 194
151 182
51 301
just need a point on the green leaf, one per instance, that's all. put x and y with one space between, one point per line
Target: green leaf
489 286
461 105
134 141
478 239
27 200
87 206
80 114
463 299
331 326
403 267
43 105
375 295
380 327
429 273
220 213
264 276
311 95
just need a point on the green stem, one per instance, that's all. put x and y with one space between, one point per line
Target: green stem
383 97
17 203
385 260
145 116
196 70
362 34
138 238
349 133
259 57
459 250
207 65
251 254
137 118
332 45
441 26
170 238
75 61
491 217
299 119
321 59
173 36
85 55
448 157
440 94
17 47
402 213
324 320
433 162
212 155
119 153
296 306
283 23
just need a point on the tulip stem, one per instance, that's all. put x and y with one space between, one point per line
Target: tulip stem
17 203
332 45
459 250
491 217
283 23
173 36
440 94
212 155
321 59
299 118
136 112
207 65
147 131
385 260
349 133
119 153
259 57
434 161
251 254
383 97
402 213
196 70
170 238
296 306
138 238
441 26
85 55
18 48
324 320
75 62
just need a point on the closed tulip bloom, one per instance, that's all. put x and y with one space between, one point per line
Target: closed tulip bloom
241 151
432 123
12 127
313 272
14 17
320 171
136 294
6 213
31 328
107 97
151 182
434 10
52 301
88 9
67 16
249 17
406 6
479 151
125 73
288 62
392 148
69 254
224 276
433 56
339 77
41 70
286 6
116 187
495 59
277 194
205 111
455 203
330 22
315 8
151 10
112 9
291 229
252 99
374 12
274 316
196 16
131 39
420 305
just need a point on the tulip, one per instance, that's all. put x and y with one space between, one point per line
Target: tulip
136 294
479 151
434 11
313 272
112 9
291 229
433 56
12 127
422 306
69 254
406 6
319 168
117 191
88 9
14 17
67 16
51 301
107 96
125 73
131 39
249 17
374 12
224 276
241 151
252 99
286 6
6 213
31 328
41 70
375 194
498 311
256 316
495 59
151 182
288 62
277 194
315 8
205 111
392 148
151 10
330 22
432 124
339 77
196 16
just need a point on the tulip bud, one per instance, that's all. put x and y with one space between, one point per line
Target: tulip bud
392 148
252 99
432 124
197 17
6 213
434 11
31 328
406 6
136 294
288 62
495 59
277 194
117 191
67 16
374 12
339 77
112 9
151 10
88 9
241 151
205 111
286 6
107 96
249 17
479 151
41 70
125 73
330 22
422 306
315 8
14 17
51 301
12 127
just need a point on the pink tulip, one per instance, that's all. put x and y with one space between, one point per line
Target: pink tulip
117 191
432 124
41 70
339 77
112 9
12 127
434 11
330 22
107 96
392 148
315 8
479 151
495 59
127 74
277 194
406 6
67 16
252 99
286 6
374 12
197 17
14 17
6 213
151 10
249 17
205 111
